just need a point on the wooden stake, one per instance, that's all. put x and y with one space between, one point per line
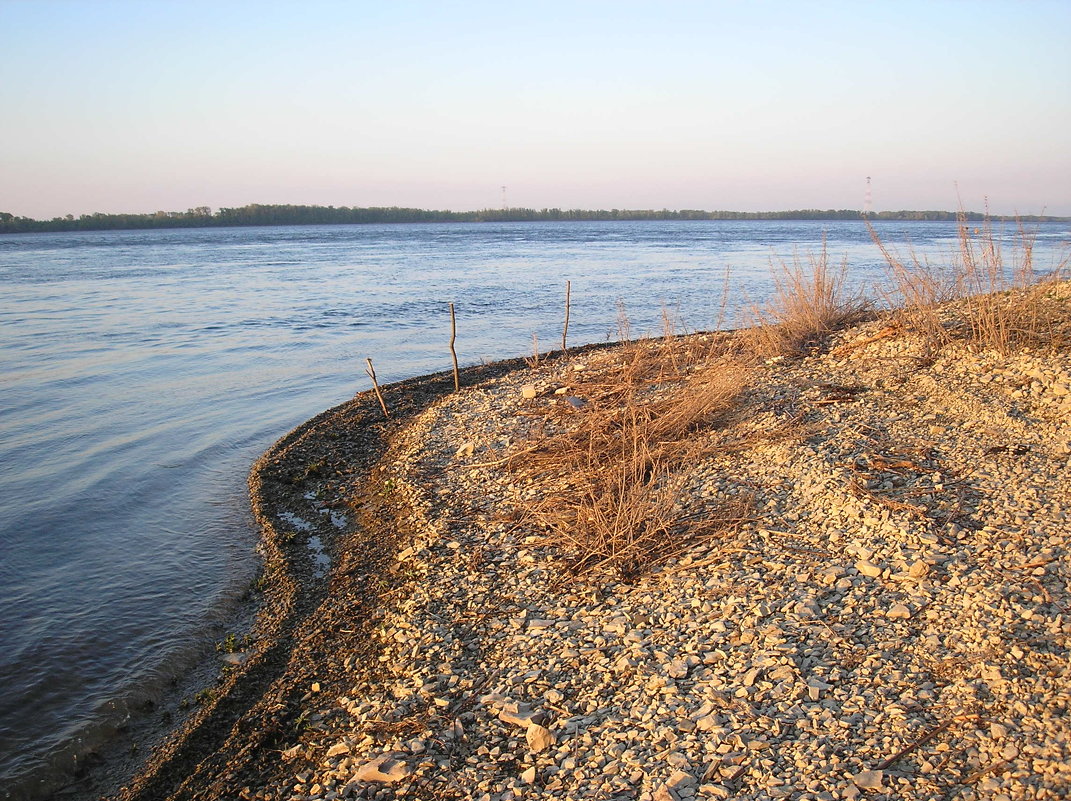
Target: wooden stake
453 353
375 384
565 328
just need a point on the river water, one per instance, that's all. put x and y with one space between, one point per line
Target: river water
141 373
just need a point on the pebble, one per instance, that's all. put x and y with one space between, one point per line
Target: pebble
338 748
539 738
898 612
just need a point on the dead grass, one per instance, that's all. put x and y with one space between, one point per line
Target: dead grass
612 478
658 393
987 296
619 506
810 302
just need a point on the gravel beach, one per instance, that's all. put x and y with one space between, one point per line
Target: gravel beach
889 620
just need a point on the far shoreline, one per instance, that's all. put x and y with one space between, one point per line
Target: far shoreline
272 216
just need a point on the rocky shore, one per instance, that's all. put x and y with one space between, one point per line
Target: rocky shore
889 619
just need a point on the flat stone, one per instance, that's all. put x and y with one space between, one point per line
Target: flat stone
518 714
529 391
338 748
869 779
680 785
529 776
680 779
385 769
868 568
677 669
918 569
714 791
707 722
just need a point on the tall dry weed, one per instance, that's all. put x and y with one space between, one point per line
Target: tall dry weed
986 296
810 301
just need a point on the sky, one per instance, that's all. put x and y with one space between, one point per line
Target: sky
751 106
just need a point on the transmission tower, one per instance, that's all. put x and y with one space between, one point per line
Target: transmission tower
504 206
867 204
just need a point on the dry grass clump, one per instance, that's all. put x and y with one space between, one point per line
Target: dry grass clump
622 512
655 390
986 296
612 478
810 302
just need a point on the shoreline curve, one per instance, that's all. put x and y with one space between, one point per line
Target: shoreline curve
257 703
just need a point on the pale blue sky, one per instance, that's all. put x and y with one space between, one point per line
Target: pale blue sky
139 106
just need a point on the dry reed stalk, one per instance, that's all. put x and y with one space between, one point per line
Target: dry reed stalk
375 385
565 327
706 397
623 514
920 290
453 353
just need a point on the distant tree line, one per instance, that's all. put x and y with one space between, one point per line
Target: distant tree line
257 214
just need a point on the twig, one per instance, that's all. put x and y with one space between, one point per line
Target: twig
718 558
565 328
1032 565
1000 763
921 741
453 353
887 331
375 385
861 491
506 459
